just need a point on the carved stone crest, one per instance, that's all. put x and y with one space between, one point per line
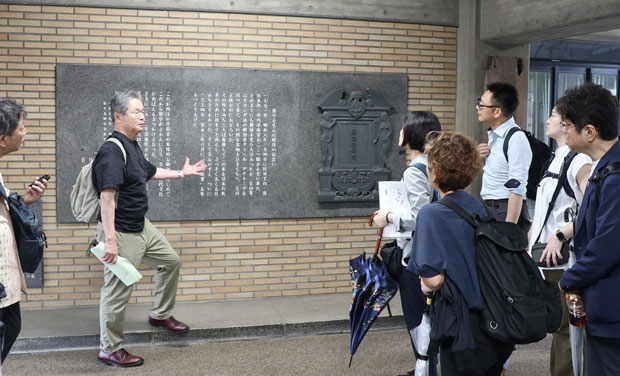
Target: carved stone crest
356 135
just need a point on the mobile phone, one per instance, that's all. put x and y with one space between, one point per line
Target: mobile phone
46 177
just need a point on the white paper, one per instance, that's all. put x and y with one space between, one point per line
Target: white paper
393 198
123 269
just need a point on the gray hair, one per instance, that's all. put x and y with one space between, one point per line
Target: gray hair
10 113
120 101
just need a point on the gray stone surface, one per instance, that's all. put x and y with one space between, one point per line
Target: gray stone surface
305 335
78 328
292 175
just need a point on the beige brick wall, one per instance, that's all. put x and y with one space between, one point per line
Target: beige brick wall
221 259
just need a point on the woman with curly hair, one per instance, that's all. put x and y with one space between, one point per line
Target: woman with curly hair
444 252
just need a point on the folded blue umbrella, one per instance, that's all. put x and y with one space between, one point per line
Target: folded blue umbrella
377 291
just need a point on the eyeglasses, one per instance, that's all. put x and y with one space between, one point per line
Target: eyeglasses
564 126
479 104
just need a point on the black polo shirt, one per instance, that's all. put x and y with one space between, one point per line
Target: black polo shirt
129 179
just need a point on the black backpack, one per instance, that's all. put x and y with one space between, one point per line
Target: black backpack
541 153
598 179
519 305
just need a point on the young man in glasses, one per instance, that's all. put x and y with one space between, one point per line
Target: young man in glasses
504 181
590 114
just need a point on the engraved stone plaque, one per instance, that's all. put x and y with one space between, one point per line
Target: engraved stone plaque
259 131
356 136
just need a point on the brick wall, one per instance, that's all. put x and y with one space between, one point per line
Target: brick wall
221 259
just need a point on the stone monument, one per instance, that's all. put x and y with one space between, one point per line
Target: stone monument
356 136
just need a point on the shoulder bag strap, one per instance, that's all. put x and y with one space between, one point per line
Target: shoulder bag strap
119 144
459 210
610 169
421 167
563 176
509 134
3 192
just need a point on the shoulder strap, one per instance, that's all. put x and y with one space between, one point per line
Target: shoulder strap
120 145
421 167
567 161
610 169
509 134
3 192
460 211
563 176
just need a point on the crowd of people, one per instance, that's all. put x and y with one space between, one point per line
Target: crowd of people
573 224
439 246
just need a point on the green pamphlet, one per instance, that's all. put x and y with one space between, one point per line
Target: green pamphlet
123 269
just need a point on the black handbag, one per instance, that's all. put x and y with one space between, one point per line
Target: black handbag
29 237
539 248
392 254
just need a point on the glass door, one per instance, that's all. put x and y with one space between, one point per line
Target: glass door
568 78
539 102
607 78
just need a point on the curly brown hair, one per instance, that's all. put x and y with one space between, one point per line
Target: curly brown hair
453 159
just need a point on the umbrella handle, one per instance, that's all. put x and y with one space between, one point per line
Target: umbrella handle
380 236
371 218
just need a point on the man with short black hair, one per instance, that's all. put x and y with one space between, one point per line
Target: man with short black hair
126 231
504 182
590 122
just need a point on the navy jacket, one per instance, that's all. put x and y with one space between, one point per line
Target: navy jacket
597 247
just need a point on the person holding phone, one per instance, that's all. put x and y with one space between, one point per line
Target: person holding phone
12 133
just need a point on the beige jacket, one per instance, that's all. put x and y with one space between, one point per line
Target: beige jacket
11 274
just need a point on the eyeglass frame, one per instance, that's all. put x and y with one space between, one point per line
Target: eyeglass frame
484 105
564 127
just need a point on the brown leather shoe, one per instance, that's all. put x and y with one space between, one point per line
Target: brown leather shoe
169 324
119 358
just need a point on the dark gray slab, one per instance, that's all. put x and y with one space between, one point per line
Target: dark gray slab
287 147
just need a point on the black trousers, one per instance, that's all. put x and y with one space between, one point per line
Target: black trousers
413 301
12 319
500 208
602 355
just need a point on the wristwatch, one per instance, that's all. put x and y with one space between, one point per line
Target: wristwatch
560 236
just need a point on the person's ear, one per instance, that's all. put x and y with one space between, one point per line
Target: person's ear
3 140
117 116
590 132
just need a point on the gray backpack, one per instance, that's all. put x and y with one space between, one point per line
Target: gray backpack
84 200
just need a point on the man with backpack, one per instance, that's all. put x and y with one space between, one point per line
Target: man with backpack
590 122
120 177
504 179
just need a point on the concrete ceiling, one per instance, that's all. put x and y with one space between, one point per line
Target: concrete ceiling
610 36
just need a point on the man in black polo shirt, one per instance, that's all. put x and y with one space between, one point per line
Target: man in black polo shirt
126 231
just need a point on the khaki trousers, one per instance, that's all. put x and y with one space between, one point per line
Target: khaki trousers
151 248
560 357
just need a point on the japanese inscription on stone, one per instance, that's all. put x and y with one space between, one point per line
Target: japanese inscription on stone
258 131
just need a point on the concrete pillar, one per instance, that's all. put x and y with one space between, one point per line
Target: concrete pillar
471 72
